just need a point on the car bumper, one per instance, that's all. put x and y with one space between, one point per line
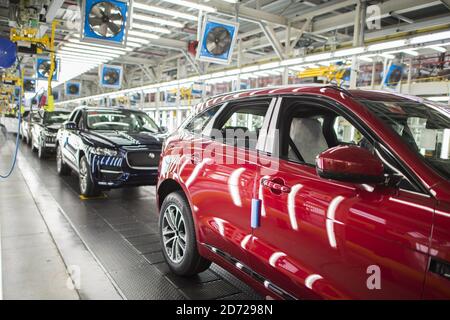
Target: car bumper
115 173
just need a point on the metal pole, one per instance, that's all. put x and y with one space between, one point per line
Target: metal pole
356 42
372 80
409 75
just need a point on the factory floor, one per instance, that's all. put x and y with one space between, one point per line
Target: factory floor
56 246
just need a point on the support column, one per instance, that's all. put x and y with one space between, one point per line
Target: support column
410 62
372 79
358 39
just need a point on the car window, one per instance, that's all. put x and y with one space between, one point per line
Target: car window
309 129
77 117
423 127
239 125
55 117
345 132
73 116
199 122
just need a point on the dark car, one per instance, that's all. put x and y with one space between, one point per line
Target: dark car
313 192
44 126
109 148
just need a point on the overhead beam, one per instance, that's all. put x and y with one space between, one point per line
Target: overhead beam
271 36
347 19
446 3
249 14
322 9
52 10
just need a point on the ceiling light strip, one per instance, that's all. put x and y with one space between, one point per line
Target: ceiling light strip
149 28
194 5
169 12
151 19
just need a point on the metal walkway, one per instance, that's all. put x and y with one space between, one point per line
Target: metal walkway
121 232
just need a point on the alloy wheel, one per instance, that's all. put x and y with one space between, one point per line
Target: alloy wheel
174 233
83 176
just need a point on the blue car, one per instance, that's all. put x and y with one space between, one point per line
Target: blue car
109 148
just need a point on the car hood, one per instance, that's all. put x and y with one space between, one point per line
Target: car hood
53 127
123 139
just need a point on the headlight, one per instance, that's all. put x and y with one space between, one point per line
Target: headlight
105 152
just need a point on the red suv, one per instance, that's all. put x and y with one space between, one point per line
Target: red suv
312 192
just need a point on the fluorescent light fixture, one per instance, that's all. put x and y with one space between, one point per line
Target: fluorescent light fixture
89 48
297 68
430 37
149 28
438 99
143 34
151 19
349 52
232 72
89 65
270 65
71 40
218 74
138 40
328 62
231 1
133 44
386 45
69 50
204 77
316 57
169 12
367 58
249 69
410 52
291 62
437 48
387 56
82 55
310 65
192 5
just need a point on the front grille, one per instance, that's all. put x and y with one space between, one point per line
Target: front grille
50 139
142 159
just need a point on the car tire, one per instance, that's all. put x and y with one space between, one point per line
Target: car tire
42 153
87 186
61 167
176 229
33 148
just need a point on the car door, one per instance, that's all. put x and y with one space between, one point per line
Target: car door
327 239
71 141
221 183
37 127
437 284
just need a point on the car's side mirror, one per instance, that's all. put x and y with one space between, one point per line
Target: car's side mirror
350 164
70 125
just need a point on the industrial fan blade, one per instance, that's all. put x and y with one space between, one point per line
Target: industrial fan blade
218 41
105 19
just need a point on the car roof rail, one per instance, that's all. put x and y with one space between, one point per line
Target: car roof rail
340 89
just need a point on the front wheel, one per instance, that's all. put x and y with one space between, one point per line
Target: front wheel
33 148
62 168
177 234
42 153
87 186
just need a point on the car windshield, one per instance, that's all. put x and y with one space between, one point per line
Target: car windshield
55 117
130 121
424 127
